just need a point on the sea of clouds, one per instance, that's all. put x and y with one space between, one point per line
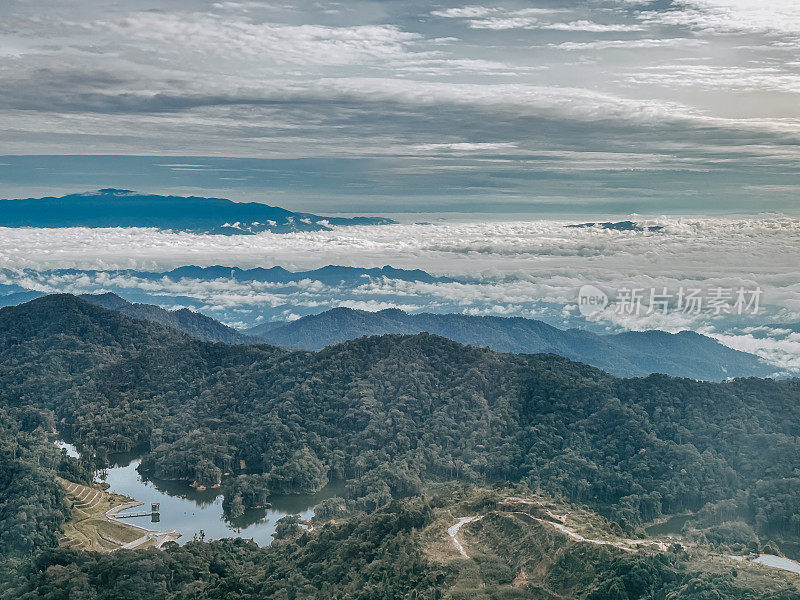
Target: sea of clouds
531 269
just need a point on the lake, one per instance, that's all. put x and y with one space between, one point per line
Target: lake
191 512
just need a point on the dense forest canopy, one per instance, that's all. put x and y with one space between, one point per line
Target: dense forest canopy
32 509
391 412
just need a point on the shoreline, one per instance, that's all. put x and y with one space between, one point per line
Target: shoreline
160 537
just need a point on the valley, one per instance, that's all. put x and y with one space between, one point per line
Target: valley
394 300
396 464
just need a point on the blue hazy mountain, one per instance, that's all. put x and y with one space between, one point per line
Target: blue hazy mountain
628 354
110 207
195 324
330 274
15 298
337 285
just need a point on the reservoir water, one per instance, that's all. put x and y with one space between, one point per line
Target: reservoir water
199 513
674 526
778 562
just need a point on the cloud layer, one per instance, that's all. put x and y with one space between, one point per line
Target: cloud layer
532 269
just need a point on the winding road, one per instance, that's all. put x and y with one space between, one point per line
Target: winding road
452 531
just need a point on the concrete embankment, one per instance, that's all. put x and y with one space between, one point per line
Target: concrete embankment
158 537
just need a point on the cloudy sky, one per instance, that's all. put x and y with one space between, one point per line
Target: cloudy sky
539 108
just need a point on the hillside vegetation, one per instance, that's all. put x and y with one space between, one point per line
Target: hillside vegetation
193 323
402 551
390 413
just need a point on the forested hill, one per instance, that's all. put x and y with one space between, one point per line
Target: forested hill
392 412
631 354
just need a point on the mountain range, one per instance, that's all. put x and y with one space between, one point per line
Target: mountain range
392 414
329 274
300 292
628 354
111 207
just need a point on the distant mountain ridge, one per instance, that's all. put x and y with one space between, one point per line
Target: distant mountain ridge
628 354
617 226
15 298
112 207
326 274
193 323
21 285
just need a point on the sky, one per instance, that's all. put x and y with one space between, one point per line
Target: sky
527 108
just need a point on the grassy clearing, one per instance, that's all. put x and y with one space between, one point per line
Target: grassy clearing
516 550
115 531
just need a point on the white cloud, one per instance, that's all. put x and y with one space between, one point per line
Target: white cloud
464 12
631 44
216 37
496 18
782 350
466 147
498 23
473 12
564 102
731 16
751 79
585 25
707 251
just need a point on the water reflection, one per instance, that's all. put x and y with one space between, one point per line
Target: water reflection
770 560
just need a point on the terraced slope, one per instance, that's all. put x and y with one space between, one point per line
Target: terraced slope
88 528
93 524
